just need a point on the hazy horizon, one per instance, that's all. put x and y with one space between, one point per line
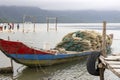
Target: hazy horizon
55 9
66 4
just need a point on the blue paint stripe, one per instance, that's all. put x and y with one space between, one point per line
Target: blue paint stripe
46 56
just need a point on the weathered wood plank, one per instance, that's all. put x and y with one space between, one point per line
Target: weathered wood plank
104 40
117 54
112 62
113 58
115 66
102 60
115 71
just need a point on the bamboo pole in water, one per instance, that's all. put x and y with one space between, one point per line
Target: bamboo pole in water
48 21
23 22
101 66
34 28
34 20
56 24
11 59
47 24
104 40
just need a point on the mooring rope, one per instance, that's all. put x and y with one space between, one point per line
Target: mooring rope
39 64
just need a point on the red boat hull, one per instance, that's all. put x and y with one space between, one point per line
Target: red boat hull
11 47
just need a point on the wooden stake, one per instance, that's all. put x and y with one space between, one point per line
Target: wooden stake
34 20
11 64
34 28
23 22
47 24
104 40
11 59
48 21
101 69
8 38
103 50
56 24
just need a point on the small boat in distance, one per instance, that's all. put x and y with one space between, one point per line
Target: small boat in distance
31 57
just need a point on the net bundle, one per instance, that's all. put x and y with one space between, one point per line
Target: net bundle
83 41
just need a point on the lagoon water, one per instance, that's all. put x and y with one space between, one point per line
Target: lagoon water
75 70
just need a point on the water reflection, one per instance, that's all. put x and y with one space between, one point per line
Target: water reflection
59 72
6 77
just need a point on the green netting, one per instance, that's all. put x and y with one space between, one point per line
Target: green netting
82 41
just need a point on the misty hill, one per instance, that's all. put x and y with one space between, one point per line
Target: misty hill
15 14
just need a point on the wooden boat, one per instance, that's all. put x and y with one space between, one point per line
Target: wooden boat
31 57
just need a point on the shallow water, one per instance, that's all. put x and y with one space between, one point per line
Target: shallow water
75 70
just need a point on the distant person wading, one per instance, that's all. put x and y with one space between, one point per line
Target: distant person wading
18 26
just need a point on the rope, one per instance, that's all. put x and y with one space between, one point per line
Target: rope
39 64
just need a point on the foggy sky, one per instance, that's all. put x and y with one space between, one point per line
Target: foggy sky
66 4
